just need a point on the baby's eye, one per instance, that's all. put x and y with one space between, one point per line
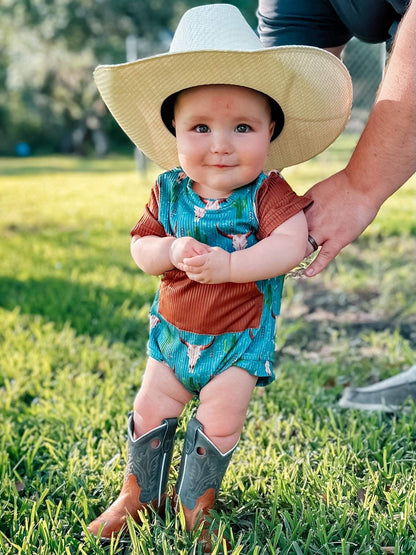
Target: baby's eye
243 128
201 128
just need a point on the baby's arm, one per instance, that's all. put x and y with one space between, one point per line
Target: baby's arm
274 255
156 255
151 253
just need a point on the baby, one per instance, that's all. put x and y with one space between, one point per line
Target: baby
219 109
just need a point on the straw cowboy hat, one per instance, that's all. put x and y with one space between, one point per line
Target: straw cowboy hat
214 44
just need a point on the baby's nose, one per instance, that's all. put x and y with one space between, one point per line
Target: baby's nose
221 143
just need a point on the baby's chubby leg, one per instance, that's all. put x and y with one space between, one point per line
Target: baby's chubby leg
210 440
151 431
161 395
222 409
223 406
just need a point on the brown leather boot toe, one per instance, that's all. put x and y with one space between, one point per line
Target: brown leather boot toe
144 487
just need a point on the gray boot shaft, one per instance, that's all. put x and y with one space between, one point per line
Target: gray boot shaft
202 466
149 458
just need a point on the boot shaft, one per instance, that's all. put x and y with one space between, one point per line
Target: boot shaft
202 467
149 458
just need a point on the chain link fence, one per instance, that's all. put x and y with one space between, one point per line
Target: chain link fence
366 63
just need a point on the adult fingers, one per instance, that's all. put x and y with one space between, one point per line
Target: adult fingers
328 252
312 245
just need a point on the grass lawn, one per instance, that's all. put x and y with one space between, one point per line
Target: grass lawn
307 477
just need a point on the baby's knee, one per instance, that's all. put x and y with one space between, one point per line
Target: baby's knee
152 405
224 432
143 402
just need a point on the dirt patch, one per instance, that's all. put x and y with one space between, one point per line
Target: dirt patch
325 314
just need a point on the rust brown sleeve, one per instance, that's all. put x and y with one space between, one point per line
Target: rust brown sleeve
149 223
276 202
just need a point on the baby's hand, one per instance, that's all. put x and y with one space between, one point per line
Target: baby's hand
211 267
185 247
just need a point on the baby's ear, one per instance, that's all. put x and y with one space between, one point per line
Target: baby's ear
271 128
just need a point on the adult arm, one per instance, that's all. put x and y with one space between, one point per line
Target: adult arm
384 158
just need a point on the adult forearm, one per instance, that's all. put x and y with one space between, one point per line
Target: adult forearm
384 158
385 155
151 254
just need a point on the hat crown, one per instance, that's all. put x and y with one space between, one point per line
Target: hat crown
214 27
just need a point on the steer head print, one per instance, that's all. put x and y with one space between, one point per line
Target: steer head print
209 205
239 239
194 352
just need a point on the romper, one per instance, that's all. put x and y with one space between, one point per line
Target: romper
200 330
326 23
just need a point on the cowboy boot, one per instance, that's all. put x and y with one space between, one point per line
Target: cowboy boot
200 475
148 462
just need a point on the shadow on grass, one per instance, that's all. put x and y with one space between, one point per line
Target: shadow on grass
89 309
58 164
47 170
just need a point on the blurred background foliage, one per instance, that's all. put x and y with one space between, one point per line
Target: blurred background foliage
49 49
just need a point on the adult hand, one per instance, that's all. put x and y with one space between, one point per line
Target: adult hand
339 214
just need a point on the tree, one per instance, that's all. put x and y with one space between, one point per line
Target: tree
48 97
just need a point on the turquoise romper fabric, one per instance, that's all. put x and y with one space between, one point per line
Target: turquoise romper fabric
195 358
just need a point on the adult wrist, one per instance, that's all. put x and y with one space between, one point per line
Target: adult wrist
371 191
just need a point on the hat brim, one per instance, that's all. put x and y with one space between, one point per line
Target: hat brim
311 85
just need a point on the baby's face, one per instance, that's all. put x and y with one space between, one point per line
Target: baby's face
223 135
